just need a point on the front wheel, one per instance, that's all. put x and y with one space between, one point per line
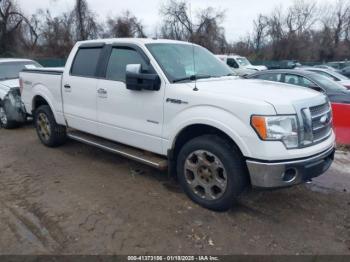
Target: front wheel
49 132
211 172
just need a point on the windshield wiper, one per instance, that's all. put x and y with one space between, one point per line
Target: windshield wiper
230 74
192 78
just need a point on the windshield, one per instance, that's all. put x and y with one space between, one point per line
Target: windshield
10 70
187 62
328 84
243 61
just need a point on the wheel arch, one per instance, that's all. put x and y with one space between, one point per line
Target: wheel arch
195 130
40 99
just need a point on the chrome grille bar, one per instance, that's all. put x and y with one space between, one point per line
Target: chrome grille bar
321 122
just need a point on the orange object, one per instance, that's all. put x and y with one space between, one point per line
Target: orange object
259 124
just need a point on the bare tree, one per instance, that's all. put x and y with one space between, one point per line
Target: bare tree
177 22
86 25
206 30
30 33
286 33
10 21
57 35
260 31
301 16
335 31
126 25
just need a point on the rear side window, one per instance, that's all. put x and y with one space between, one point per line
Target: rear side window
85 62
297 80
120 58
271 77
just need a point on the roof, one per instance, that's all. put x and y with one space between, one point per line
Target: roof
7 60
315 68
134 41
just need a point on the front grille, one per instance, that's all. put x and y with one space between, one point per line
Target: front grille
321 117
316 110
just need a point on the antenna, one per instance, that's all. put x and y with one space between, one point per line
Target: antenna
193 51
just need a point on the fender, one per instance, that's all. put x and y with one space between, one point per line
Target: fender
41 90
216 117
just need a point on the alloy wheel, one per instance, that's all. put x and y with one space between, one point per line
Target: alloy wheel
44 127
205 174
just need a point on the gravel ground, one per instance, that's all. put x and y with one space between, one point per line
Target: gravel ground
79 200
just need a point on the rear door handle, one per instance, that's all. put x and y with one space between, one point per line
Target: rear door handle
102 91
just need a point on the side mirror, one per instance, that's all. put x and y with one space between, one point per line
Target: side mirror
136 80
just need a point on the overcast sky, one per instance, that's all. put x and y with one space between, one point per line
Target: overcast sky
239 13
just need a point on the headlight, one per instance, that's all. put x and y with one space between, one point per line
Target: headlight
277 128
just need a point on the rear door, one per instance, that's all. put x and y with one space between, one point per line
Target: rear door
80 89
126 116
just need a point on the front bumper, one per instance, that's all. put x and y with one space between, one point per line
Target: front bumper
265 174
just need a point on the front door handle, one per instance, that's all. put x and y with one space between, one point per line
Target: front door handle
67 86
102 91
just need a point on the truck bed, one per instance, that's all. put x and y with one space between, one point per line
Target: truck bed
35 81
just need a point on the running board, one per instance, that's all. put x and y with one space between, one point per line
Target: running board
131 153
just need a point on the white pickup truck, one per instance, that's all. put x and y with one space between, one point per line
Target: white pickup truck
174 105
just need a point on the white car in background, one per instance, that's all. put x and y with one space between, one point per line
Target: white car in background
12 111
241 64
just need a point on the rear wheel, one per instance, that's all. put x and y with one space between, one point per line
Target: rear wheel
49 132
211 172
4 119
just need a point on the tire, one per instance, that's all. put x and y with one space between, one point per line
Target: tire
212 172
4 120
49 132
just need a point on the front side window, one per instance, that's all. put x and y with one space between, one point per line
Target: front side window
232 63
243 61
11 70
182 62
85 62
119 59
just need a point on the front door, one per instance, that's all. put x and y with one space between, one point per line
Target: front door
131 117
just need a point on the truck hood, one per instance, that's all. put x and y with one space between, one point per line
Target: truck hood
282 96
